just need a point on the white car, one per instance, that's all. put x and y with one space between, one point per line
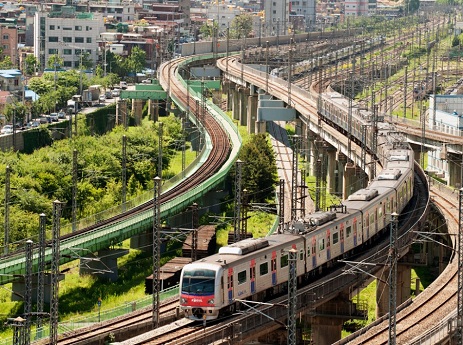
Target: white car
7 129
116 92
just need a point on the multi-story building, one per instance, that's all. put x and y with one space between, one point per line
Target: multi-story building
304 8
276 17
9 43
356 8
67 33
222 14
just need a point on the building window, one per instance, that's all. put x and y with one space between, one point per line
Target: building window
67 63
88 28
284 261
67 28
52 27
78 28
5 47
67 39
89 40
52 51
52 39
67 51
79 39
78 51
5 37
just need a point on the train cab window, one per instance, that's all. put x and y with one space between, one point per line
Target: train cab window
263 269
284 261
348 231
301 255
241 277
335 238
321 244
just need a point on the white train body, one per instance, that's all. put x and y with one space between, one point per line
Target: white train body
255 269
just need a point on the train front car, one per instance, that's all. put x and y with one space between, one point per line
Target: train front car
200 290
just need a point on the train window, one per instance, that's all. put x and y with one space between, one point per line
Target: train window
308 251
252 273
241 277
284 261
335 237
380 212
274 265
321 243
348 231
372 219
263 268
301 255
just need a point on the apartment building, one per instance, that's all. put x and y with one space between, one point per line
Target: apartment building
67 33
276 17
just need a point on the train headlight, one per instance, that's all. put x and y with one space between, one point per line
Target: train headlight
211 301
183 300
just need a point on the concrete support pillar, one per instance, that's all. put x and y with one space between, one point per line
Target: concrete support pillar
105 263
137 110
252 113
349 181
244 93
235 104
121 111
261 127
333 172
454 170
144 241
326 330
153 109
19 288
382 289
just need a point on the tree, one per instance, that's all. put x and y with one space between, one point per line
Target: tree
15 112
6 63
207 30
241 26
31 64
54 61
136 61
259 171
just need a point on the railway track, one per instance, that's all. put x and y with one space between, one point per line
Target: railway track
432 305
216 159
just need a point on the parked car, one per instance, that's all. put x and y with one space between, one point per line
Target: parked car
146 81
61 115
116 92
7 129
33 124
108 95
54 117
102 98
123 85
42 120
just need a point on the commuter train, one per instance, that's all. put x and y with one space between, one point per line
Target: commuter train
302 67
256 269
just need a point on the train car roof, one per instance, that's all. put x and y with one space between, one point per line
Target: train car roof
381 188
275 242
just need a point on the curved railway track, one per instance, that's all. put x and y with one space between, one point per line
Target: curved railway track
432 305
216 159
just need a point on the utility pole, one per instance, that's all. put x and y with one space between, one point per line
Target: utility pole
393 278
194 235
281 207
160 133
459 331
292 296
41 274
124 170
237 213
6 241
54 314
28 293
156 250
294 171
74 190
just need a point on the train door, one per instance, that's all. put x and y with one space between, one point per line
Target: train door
314 252
230 285
328 244
341 231
252 275
354 225
274 268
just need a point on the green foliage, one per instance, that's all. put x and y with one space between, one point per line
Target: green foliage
208 30
16 111
241 26
6 63
455 41
136 60
30 64
55 61
259 170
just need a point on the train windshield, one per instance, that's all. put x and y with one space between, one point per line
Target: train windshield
198 282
